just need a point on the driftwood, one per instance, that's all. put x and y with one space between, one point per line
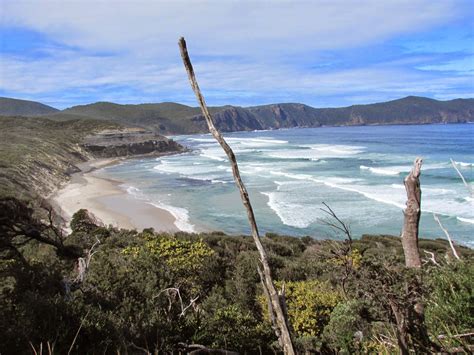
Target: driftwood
412 217
285 338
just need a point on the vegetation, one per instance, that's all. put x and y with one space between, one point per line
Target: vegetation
36 154
13 107
161 292
173 118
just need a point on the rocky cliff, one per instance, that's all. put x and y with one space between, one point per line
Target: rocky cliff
128 142
410 110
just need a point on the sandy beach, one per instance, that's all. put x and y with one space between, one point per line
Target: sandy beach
111 204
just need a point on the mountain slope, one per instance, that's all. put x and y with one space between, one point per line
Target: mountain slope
16 107
172 118
167 117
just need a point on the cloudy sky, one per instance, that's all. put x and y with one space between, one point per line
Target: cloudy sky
322 53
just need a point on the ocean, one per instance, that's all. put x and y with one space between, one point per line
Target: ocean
357 171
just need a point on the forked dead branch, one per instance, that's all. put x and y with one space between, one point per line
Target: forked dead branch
281 320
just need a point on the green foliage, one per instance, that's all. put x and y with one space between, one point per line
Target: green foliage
37 154
231 326
83 222
129 298
185 259
346 328
450 305
309 303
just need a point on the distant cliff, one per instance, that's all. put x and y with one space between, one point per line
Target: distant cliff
170 118
410 110
173 118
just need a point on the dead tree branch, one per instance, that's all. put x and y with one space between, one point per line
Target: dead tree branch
281 319
178 293
469 187
430 258
447 236
339 225
342 252
77 333
83 263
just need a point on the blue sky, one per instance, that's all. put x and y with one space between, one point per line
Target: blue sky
322 53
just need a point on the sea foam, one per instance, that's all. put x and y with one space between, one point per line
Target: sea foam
180 214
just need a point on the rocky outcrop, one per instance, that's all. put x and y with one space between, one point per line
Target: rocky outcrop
409 110
128 142
229 120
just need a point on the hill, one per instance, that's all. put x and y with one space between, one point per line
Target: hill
167 117
16 107
172 118
38 154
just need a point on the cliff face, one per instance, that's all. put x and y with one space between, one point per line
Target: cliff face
229 120
128 142
409 110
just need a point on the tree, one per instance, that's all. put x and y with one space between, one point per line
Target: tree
412 215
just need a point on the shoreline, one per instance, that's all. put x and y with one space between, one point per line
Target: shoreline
108 202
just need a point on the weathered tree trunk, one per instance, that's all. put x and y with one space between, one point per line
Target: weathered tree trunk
285 338
415 315
412 217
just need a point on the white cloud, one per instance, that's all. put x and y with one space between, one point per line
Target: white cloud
225 27
221 81
244 51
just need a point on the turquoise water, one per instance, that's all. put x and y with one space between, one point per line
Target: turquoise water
358 171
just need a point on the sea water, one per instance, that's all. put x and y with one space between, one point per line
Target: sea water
357 171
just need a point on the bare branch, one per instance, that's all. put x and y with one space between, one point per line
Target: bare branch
34 350
447 236
469 187
178 293
83 263
281 319
340 225
77 333
431 258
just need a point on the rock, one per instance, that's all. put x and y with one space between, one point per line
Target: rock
128 142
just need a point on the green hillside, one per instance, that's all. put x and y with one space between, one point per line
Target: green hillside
172 118
167 117
37 153
12 107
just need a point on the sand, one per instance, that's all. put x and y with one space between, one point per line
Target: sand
111 204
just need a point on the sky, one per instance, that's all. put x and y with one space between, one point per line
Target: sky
321 53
